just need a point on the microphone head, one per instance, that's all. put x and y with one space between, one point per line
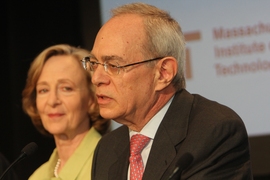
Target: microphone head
30 148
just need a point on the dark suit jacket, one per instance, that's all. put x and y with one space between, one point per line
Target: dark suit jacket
212 133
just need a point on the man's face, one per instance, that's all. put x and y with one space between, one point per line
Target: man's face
128 96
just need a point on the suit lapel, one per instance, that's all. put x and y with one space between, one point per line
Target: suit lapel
119 168
170 133
161 155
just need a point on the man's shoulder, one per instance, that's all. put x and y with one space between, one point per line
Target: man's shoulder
213 107
205 110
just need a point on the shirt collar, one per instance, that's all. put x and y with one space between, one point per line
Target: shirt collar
151 127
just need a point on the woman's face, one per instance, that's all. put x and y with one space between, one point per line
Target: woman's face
63 98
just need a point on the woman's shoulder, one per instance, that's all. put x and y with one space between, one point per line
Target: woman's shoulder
43 172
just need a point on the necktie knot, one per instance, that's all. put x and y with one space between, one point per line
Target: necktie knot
137 143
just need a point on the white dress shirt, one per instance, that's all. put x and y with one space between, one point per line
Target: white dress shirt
150 130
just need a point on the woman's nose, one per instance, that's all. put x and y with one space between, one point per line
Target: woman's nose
53 99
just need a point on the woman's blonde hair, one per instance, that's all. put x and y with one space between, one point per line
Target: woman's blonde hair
29 92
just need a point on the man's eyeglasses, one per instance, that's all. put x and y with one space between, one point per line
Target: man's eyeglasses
112 69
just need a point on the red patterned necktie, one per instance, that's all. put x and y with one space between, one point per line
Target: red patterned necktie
137 143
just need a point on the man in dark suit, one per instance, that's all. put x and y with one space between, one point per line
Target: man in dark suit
137 65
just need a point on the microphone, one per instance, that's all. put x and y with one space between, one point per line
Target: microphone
184 161
28 150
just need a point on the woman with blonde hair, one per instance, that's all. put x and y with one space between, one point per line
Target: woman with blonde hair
59 98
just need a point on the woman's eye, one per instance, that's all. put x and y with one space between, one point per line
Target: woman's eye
42 91
67 89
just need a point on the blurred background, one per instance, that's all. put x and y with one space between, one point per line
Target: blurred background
29 26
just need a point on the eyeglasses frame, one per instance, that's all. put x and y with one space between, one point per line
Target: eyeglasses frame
87 59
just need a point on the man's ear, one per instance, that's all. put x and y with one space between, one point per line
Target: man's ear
167 70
